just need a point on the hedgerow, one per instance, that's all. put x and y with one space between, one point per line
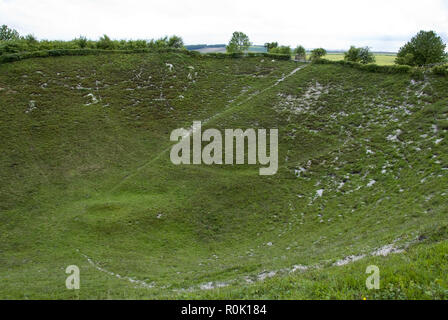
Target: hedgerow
236 55
12 57
17 56
389 69
440 70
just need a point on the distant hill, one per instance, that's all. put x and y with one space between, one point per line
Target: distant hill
203 46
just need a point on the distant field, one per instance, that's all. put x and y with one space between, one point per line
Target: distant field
257 49
211 50
381 59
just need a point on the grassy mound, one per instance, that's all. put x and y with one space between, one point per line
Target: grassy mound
87 179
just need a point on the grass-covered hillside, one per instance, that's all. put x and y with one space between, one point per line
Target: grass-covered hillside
86 180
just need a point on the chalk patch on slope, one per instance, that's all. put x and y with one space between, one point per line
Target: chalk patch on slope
116 275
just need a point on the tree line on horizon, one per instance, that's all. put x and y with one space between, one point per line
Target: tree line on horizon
425 48
12 42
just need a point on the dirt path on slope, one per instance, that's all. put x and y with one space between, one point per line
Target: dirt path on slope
383 251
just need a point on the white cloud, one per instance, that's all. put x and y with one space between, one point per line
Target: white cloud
382 24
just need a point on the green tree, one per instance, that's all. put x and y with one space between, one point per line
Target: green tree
366 56
30 39
161 43
8 33
281 50
361 55
81 42
300 51
175 42
270 45
105 43
423 49
352 54
239 42
318 54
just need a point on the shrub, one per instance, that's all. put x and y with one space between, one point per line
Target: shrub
236 54
105 43
218 55
7 34
164 43
361 55
31 44
406 59
81 42
175 42
417 73
398 69
13 46
277 56
366 56
30 39
140 44
317 54
270 45
300 51
9 57
440 70
132 44
370 67
384 69
352 54
281 50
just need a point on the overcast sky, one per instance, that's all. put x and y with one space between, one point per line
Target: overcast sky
381 24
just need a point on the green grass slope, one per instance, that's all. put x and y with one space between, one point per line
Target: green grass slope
86 180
